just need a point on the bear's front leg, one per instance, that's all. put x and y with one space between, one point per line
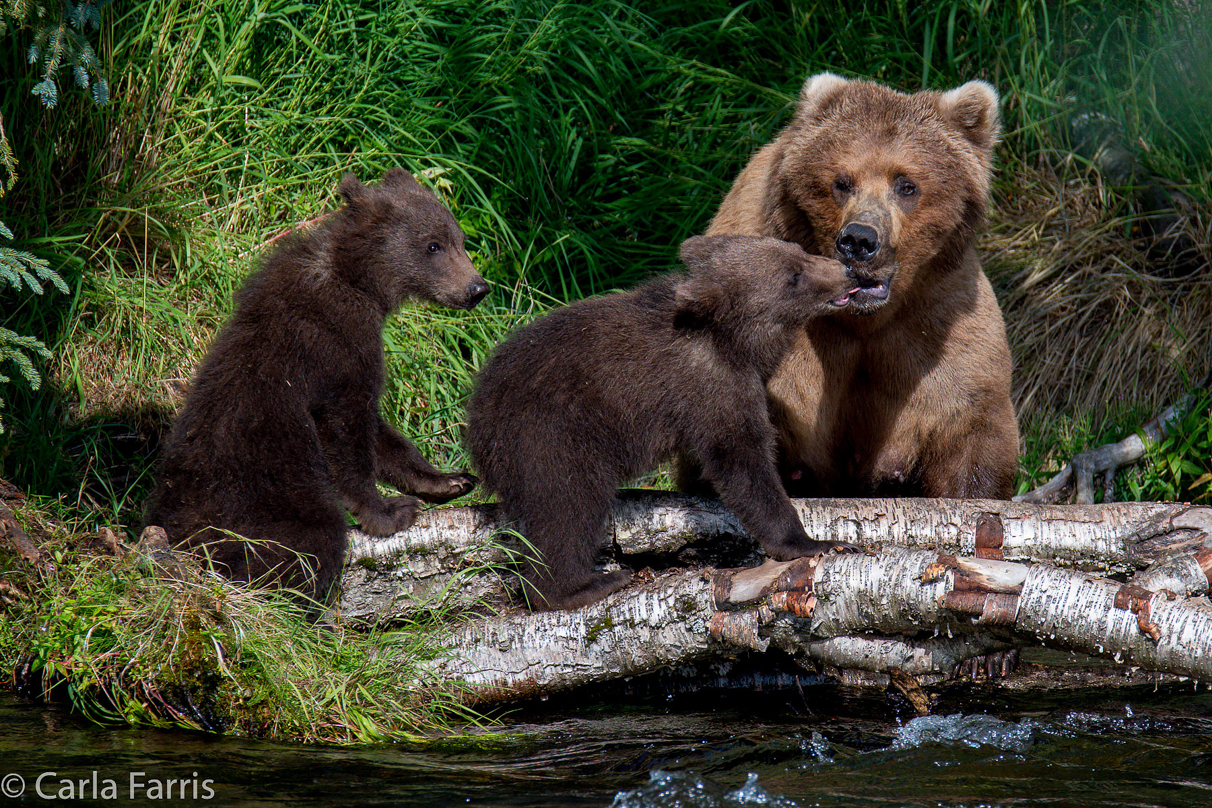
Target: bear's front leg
349 434
744 475
976 462
402 465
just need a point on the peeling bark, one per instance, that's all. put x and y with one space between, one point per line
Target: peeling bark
450 557
638 630
921 612
813 607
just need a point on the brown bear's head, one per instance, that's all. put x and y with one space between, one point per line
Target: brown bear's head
757 290
396 241
890 184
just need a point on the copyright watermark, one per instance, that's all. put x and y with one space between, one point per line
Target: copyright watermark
136 785
12 785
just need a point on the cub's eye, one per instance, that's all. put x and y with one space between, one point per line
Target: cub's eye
905 187
795 278
434 247
842 186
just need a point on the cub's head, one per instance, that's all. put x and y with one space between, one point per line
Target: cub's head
757 289
893 185
396 241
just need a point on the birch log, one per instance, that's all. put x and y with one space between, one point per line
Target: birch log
639 630
928 597
456 555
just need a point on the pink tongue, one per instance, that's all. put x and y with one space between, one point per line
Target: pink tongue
844 299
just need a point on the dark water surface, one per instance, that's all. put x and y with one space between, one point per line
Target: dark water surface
822 746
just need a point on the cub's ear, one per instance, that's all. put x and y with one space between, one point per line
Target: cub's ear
352 191
698 300
972 108
697 250
818 94
400 180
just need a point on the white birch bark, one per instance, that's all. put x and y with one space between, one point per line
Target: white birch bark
832 611
1185 575
639 630
918 610
929 658
451 556
1079 613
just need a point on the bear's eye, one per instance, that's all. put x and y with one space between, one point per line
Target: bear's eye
795 278
434 247
905 187
842 186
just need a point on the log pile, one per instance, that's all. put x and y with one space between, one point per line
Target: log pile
941 581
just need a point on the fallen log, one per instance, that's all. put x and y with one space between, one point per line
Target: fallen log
948 584
793 605
639 630
454 557
1078 475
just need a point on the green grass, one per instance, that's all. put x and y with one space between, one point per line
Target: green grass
120 643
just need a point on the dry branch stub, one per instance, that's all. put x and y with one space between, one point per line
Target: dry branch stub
1188 575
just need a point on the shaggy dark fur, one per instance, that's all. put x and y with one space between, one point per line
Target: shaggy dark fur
594 394
281 430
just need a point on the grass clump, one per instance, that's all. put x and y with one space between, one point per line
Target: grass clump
121 642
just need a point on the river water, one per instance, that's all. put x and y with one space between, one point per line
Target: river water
815 745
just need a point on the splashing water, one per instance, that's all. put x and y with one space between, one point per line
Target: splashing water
967 730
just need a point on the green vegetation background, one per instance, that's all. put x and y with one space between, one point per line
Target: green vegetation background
578 144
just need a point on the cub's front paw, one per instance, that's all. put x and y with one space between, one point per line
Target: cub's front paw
388 516
445 487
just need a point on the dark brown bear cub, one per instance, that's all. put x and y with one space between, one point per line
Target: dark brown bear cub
591 395
281 430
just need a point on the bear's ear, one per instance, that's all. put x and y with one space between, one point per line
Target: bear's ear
818 93
972 108
400 180
352 191
698 300
696 251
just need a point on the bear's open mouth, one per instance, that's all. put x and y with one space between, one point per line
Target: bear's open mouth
871 292
876 290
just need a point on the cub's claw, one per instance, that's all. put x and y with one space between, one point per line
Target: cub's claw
810 548
445 487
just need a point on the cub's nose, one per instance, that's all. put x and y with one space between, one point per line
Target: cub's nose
858 242
476 292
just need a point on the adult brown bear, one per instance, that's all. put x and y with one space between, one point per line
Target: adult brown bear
906 392
281 431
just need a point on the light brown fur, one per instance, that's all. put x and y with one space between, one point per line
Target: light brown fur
907 392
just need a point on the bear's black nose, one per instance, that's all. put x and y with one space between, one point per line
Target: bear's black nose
476 292
858 242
